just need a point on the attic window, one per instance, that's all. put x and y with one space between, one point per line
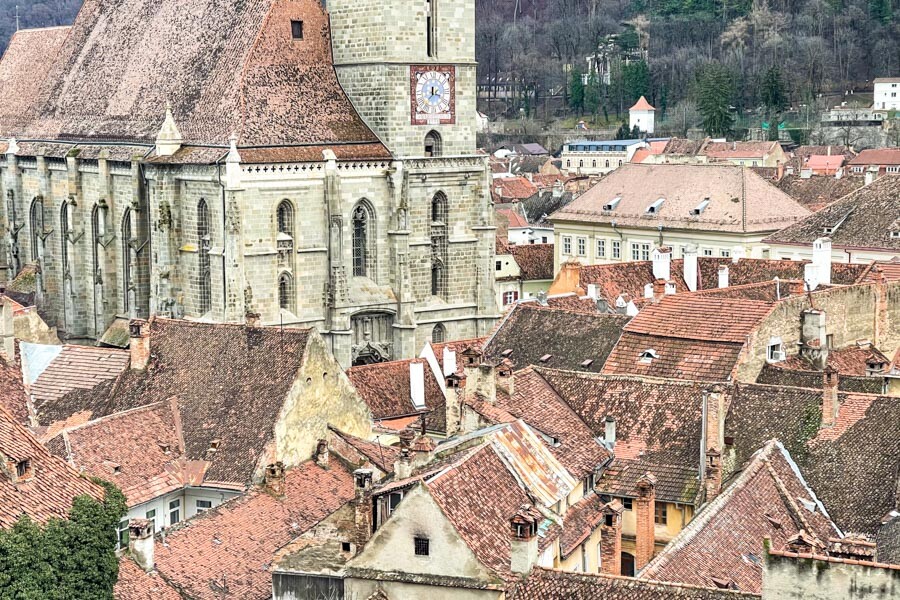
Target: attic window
214 444
421 546
587 364
655 207
297 30
612 204
700 207
506 353
23 469
648 355
775 522
345 546
546 358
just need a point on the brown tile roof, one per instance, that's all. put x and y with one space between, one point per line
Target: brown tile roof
775 374
78 368
136 584
28 57
510 189
579 522
535 261
699 317
514 217
138 450
877 156
696 360
727 150
569 338
847 361
862 219
674 483
740 200
537 403
570 302
239 371
815 193
807 151
725 539
546 584
12 392
264 86
385 388
380 455
234 543
48 491
683 146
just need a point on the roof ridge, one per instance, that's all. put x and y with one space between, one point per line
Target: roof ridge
632 580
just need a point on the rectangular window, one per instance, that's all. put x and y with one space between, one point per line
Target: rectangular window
635 251
150 515
122 534
617 249
393 501
626 502
567 245
421 546
601 248
203 505
725 253
582 246
661 514
499 265
707 252
297 30
510 297
645 251
587 485
174 511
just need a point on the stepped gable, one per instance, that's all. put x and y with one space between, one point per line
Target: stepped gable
219 374
45 487
768 499
224 67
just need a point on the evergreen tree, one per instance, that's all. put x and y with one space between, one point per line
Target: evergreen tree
636 80
774 92
715 89
576 90
592 96
623 132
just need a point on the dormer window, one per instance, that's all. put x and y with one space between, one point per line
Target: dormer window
612 204
297 30
546 358
24 470
700 207
654 208
648 355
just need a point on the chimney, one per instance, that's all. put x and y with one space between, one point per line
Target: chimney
139 330
403 464
871 174
611 538
322 453
417 383
602 306
670 288
251 319
659 288
506 377
362 505
449 361
690 267
609 434
648 291
738 253
810 277
7 331
622 303
274 479
481 380
822 260
831 404
568 280
723 276
141 544
524 539
542 298
645 511
713 440
713 482
592 291
662 263
814 338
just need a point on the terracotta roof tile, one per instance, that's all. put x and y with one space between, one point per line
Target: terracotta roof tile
545 584
775 374
727 150
674 483
570 338
642 104
514 217
725 539
511 189
698 317
136 584
535 261
78 368
740 200
877 156
687 359
49 486
386 389
380 455
234 543
12 391
579 522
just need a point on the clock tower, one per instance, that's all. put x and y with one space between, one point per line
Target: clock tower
409 68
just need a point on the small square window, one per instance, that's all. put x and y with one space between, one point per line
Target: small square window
421 546
345 546
297 30
203 505
23 469
626 502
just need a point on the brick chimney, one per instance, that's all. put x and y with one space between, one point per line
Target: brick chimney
645 511
139 344
713 440
362 505
141 544
403 464
712 483
524 539
831 403
322 453
690 267
611 538
659 289
274 479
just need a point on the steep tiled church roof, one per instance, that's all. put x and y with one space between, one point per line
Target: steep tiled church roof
225 67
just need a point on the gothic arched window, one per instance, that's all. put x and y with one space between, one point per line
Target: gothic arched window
204 276
438 334
439 245
37 228
128 287
433 144
363 237
285 217
286 292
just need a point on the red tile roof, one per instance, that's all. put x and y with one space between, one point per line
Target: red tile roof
138 450
264 86
78 368
12 391
687 359
642 104
49 488
509 189
828 164
876 156
535 261
725 150
847 361
380 455
580 521
136 584
233 544
513 216
385 388
699 317
725 539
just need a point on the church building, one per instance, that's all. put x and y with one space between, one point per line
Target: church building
292 162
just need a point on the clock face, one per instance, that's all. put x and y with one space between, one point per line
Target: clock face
433 94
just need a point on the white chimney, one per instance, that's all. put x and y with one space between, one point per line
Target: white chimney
723 276
592 291
631 309
449 362
610 432
662 263
810 277
417 383
738 254
141 544
690 267
871 174
648 291
822 259
670 288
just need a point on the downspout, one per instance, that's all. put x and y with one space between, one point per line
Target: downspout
149 241
621 239
224 235
660 228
